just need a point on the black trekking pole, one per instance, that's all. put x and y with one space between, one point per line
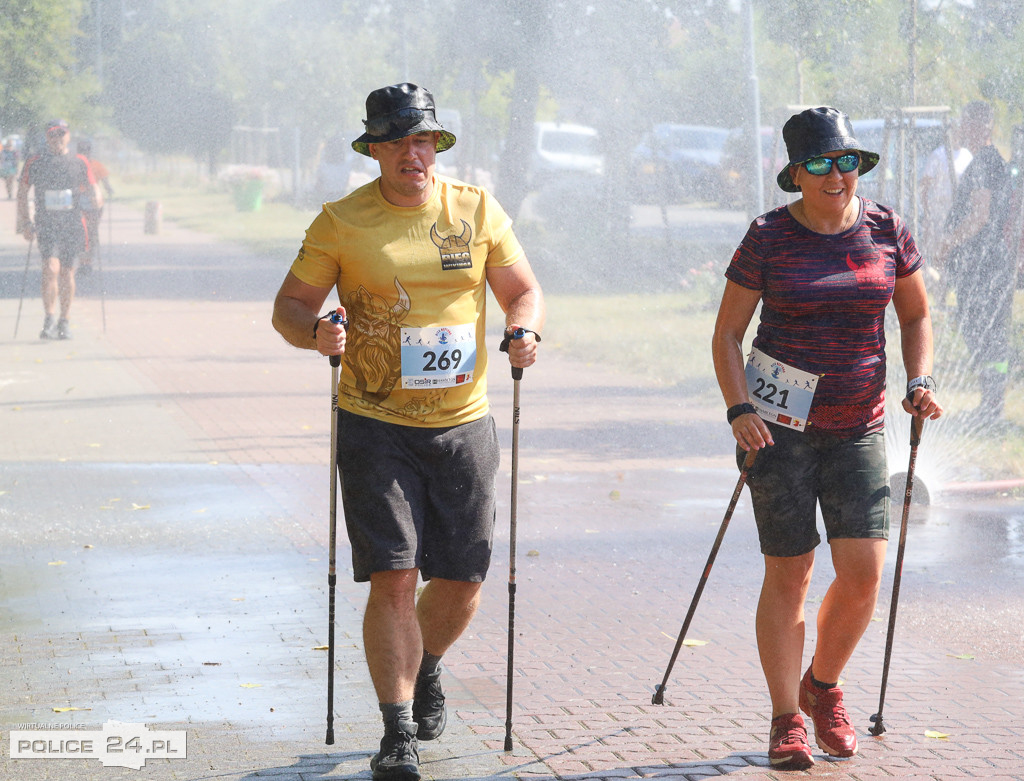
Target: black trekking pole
24 283
332 575
517 375
659 690
916 424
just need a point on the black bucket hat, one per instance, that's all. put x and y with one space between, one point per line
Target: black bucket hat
398 111
815 132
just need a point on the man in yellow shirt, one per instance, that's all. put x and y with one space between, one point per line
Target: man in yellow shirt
411 255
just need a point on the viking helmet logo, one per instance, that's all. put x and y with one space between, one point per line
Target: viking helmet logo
454 249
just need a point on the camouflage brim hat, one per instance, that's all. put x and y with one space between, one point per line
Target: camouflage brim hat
398 111
815 132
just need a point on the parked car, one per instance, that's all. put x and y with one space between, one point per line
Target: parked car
737 174
564 151
679 163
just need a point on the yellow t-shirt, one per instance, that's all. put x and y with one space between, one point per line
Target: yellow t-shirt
413 284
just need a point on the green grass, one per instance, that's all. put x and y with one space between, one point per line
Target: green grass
276 229
661 338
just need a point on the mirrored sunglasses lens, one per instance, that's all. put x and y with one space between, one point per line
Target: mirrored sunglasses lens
847 163
819 166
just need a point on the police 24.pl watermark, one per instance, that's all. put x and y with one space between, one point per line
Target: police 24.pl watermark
117 744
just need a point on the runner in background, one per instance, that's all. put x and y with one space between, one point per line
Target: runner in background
93 217
64 188
9 166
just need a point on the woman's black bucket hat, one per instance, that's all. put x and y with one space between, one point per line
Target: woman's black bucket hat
818 131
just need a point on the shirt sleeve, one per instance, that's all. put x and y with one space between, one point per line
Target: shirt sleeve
506 249
908 258
317 261
745 268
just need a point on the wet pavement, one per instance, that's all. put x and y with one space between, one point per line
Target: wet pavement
163 512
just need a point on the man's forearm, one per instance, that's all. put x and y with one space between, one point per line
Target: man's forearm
527 310
295 322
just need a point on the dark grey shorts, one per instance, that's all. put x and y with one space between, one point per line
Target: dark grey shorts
65 241
848 477
418 497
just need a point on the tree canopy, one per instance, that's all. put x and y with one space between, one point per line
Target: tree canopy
176 75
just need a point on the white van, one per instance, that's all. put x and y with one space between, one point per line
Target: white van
563 149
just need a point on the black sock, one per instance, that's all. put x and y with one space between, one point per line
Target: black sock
821 685
430 665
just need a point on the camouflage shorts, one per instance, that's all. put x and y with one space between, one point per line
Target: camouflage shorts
847 477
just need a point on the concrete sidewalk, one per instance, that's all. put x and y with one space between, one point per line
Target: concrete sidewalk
163 506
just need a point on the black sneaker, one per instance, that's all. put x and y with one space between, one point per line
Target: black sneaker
399 756
63 330
49 328
428 706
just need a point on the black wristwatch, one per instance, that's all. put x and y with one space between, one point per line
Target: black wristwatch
739 409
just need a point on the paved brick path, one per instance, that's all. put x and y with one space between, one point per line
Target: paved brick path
163 488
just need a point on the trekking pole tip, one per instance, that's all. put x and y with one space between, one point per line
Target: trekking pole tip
659 695
877 727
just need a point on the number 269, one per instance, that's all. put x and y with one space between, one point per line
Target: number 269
443 362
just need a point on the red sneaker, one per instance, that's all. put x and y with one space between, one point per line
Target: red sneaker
788 748
832 729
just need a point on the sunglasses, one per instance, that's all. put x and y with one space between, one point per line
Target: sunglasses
819 166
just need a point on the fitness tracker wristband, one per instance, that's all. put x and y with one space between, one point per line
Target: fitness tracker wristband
739 409
924 381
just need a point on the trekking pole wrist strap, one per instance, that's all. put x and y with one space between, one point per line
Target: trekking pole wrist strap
924 381
508 336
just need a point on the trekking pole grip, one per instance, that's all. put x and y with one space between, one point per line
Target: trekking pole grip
916 426
335 317
518 333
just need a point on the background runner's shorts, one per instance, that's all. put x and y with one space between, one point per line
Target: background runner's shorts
64 240
418 497
848 477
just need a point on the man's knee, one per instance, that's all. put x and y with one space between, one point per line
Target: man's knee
394 586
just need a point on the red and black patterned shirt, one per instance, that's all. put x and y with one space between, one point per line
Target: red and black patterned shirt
823 305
